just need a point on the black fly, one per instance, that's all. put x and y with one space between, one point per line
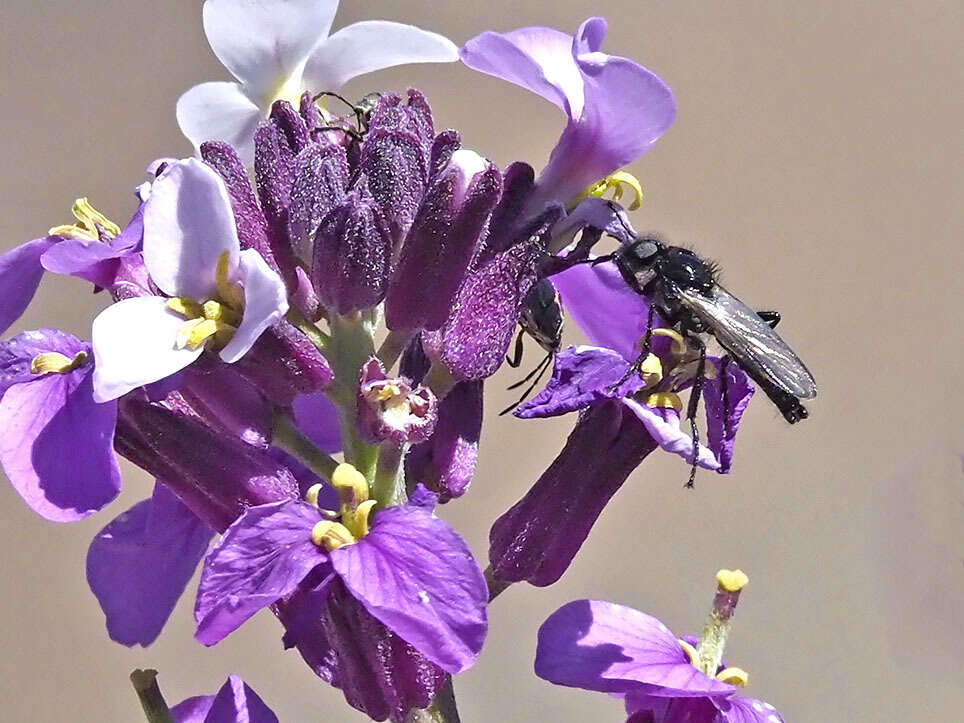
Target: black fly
541 319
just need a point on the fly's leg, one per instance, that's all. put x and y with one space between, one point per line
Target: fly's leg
538 372
693 406
516 359
646 348
724 362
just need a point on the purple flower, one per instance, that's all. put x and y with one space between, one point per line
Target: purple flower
235 702
277 49
57 445
221 295
616 108
614 649
392 409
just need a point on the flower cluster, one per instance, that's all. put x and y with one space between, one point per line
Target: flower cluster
237 364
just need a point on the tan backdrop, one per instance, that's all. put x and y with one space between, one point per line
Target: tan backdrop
817 154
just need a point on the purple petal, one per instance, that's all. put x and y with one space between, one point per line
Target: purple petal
748 710
378 671
581 375
416 575
607 311
643 708
18 352
95 261
57 446
664 426
20 275
262 557
724 411
317 418
606 216
601 646
139 565
236 702
539 536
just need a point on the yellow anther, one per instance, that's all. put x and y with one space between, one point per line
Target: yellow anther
331 535
311 496
187 308
690 651
665 400
732 580
231 294
53 362
651 370
616 183
351 485
73 231
734 676
88 221
216 311
387 392
679 343
357 520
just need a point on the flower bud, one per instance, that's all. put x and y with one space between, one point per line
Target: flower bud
352 255
442 241
283 363
320 180
391 410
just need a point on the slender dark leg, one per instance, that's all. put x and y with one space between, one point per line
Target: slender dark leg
540 372
354 108
724 362
645 350
516 359
694 403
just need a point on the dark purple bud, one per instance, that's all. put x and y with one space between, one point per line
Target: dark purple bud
480 328
446 143
446 463
217 475
379 673
292 126
305 298
395 157
274 173
225 401
415 363
320 180
442 241
504 226
309 112
352 255
539 536
283 363
391 410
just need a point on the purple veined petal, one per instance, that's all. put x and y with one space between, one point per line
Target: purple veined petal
57 445
219 111
317 418
538 59
372 45
643 708
140 563
265 303
262 558
748 710
417 576
627 108
264 43
664 426
134 345
724 412
597 645
607 311
20 275
235 702
607 216
18 352
581 375
188 224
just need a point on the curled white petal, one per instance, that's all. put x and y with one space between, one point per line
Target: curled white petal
188 224
134 345
265 303
219 112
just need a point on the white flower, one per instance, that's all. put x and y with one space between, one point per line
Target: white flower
277 49
221 297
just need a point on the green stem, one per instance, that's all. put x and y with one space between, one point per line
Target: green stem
388 487
317 337
289 438
442 710
393 346
152 700
439 380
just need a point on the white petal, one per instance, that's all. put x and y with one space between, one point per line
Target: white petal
133 344
372 45
265 42
188 224
219 112
265 303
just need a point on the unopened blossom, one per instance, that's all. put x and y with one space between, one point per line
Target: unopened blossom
217 295
56 447
278 49
392 409
628 654
235 702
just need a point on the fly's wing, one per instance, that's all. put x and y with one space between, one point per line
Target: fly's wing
750 339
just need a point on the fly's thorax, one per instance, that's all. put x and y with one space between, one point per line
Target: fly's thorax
685 269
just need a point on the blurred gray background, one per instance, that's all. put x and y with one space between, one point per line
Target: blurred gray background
817 155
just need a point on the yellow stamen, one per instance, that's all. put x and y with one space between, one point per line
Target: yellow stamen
616 182
679 343
311 496
187 308
88 220
734 676
665 400
230 294
690 651
651 371
389 391
732 580
53 362
216 311
351 485
331 535
357 520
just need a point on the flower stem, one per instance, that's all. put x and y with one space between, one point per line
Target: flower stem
388 487
442 710
317 337
393 346
152 700
289 438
